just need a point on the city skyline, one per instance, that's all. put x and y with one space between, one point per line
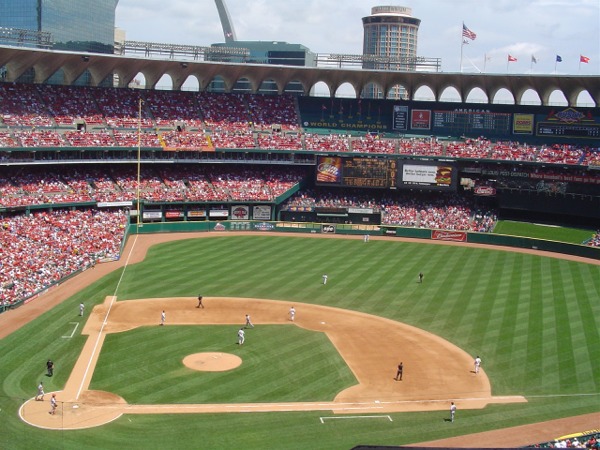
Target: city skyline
534 32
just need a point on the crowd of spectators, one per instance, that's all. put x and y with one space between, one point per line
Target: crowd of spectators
447 212
84 184
589 441
42 248
595 240
38 115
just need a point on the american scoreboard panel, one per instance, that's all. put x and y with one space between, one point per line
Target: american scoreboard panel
471 122
385 173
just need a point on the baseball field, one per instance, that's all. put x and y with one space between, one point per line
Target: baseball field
325 380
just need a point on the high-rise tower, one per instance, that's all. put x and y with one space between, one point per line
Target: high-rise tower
79 25
390 32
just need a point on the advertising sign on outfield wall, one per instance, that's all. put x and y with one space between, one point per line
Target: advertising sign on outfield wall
151 215
261 212
328 228
457 236
240 212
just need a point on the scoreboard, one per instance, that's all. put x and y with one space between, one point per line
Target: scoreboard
579 130
369 172
385 173
471 122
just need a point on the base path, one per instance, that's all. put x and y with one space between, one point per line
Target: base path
371 355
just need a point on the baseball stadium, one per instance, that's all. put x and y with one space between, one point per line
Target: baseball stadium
141 227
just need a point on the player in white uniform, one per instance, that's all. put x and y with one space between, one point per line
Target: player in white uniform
40 394
248 322
477 364
292 313
241 336
163 317
81 308
452 411
53 404
324 279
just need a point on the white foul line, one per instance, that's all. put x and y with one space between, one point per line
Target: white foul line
74 330
323 419
105 321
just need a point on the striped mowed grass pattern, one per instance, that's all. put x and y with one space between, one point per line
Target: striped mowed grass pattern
533 320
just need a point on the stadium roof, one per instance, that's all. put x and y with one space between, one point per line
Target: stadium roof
18 60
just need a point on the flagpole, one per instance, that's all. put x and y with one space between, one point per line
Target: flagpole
462 44
484 61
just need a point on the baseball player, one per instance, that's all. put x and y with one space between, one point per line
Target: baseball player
477 364
200 304
81 308
40 394
452 411
292 313
241 336
53 404
248 322
163 317
324 279
399 372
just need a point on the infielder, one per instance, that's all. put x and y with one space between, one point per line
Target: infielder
292 313
477 364
40 394
241 337
163 318
248 322
452 411
324 279
53 404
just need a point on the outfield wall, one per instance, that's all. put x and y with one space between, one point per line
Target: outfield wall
355 229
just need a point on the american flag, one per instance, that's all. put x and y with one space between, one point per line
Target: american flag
468 33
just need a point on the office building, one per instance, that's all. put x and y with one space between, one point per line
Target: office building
76 25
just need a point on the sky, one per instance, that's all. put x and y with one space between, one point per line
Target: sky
520 28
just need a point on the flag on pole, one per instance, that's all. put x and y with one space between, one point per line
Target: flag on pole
468 33
584 59
511 58
533 59
558 58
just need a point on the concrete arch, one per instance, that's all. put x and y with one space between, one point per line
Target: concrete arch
19 60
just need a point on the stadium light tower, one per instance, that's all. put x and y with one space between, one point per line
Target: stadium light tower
226 23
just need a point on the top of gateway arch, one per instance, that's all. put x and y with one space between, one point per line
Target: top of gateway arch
226 23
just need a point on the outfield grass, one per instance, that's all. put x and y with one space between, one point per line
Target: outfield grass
534 320
540 231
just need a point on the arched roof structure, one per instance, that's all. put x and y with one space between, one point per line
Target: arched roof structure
18 60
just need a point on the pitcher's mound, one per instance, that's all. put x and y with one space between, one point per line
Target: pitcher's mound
212 362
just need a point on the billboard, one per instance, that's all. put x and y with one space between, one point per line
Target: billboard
426 175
